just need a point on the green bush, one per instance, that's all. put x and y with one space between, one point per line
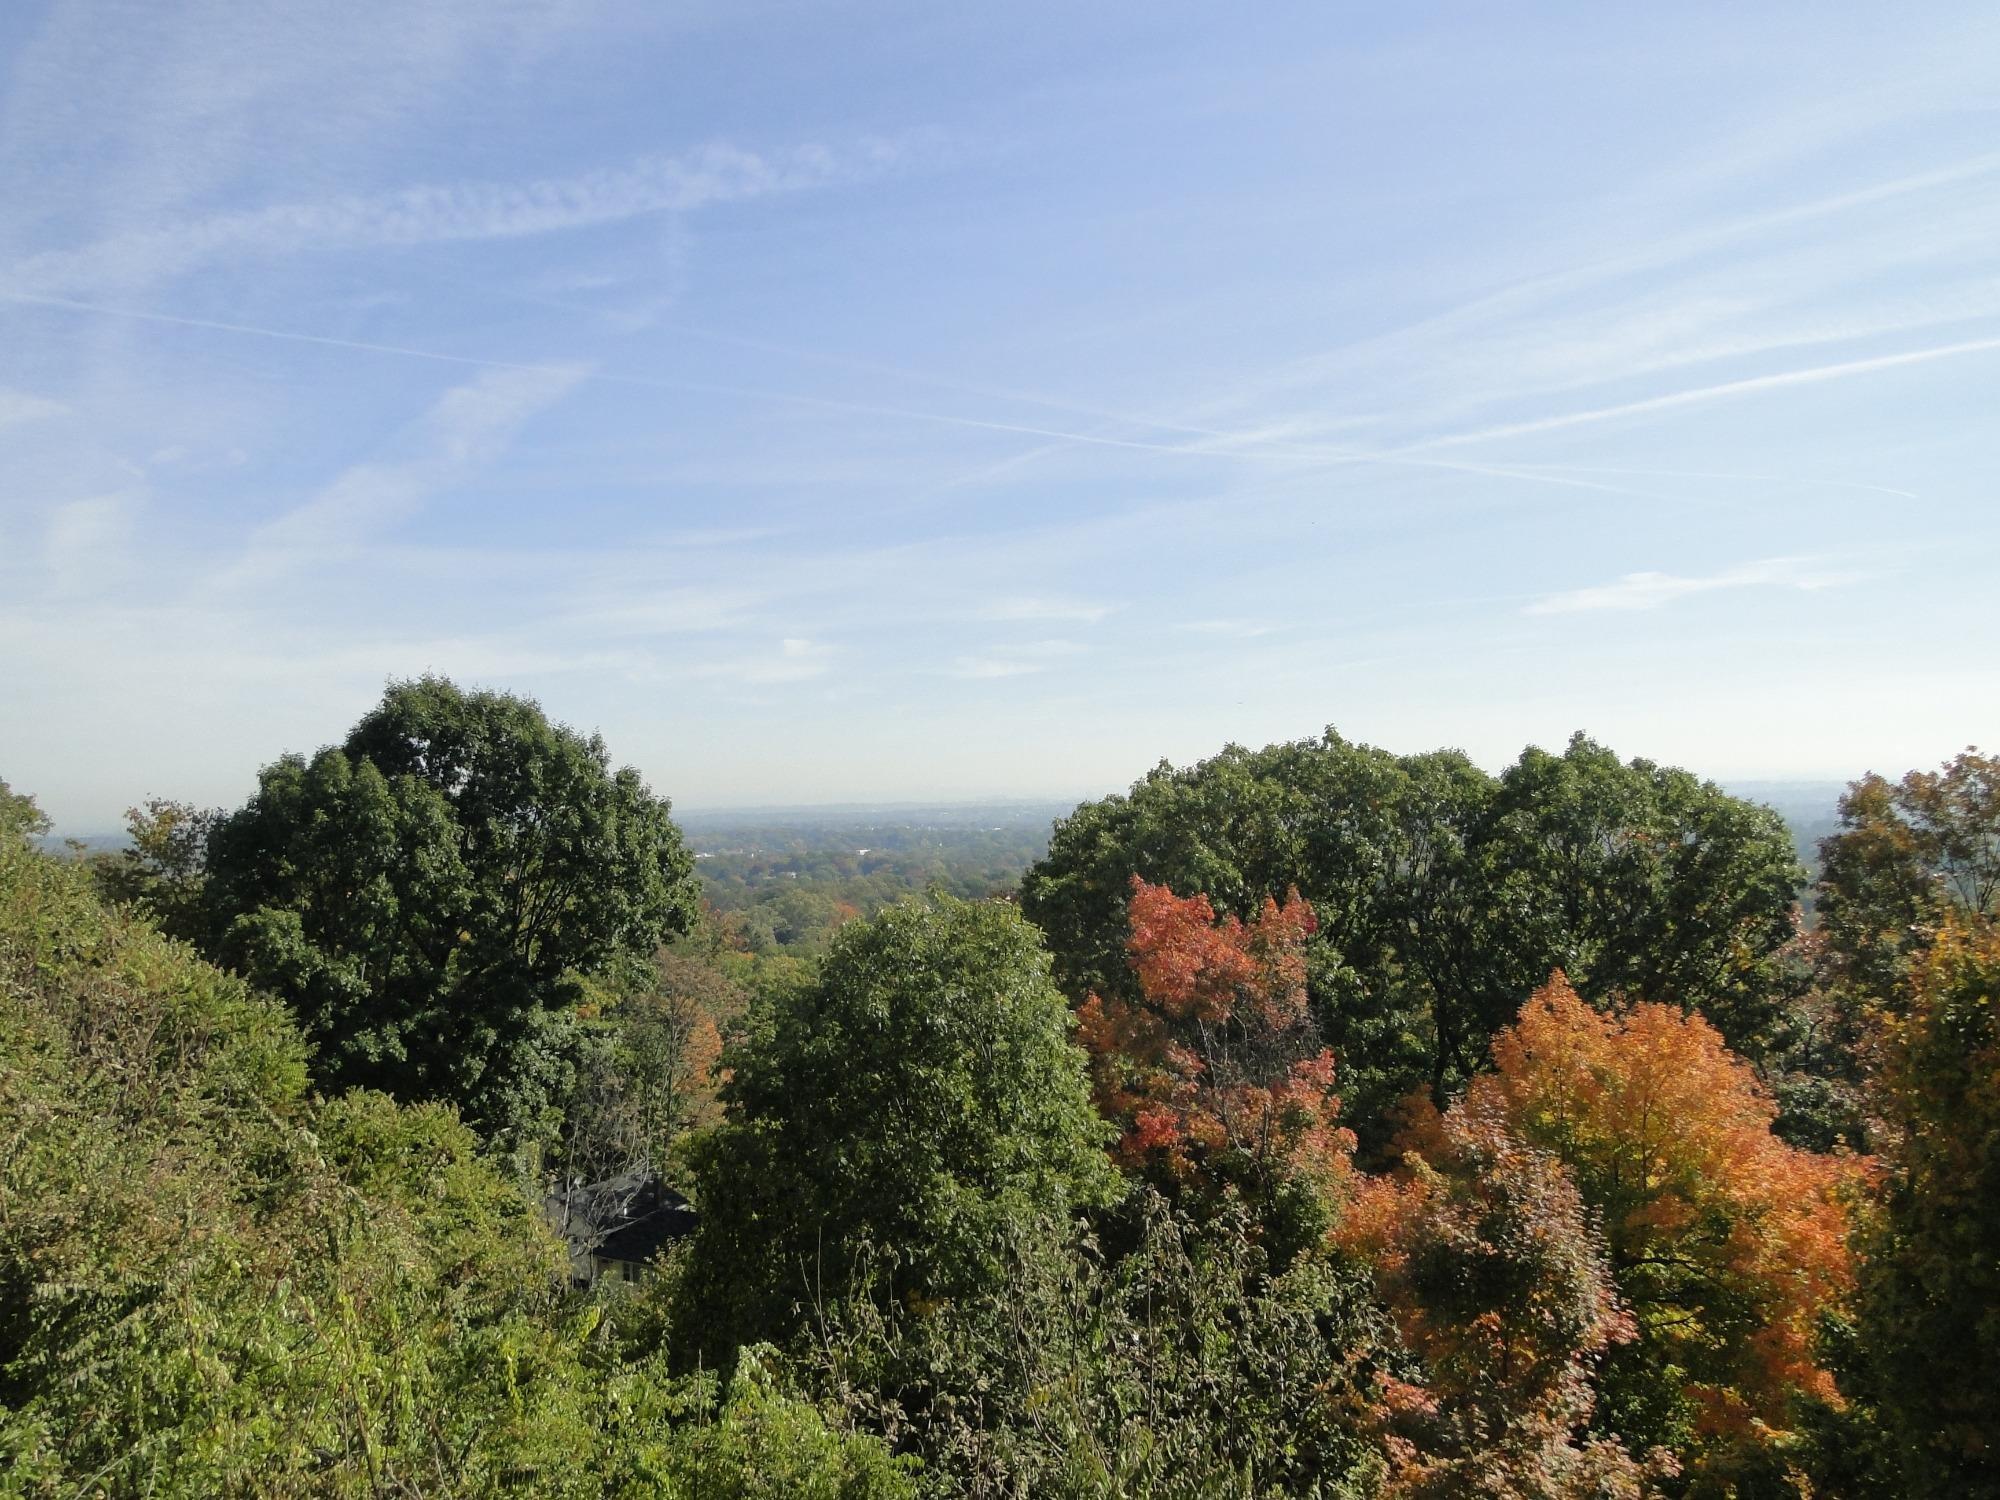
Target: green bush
212 1283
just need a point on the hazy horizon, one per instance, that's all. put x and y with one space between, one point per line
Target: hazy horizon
868 403
1766 789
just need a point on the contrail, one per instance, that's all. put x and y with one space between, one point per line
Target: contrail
685 387
1810 376
1214 443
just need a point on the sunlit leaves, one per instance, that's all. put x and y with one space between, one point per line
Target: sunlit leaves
1215 1074
1728 1244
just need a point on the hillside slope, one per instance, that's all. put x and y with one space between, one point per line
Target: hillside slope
213 1283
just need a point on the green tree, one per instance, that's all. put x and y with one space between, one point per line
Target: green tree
1638 880
888 1124
163 872
426 895
1930 1271
20 819
213 1283
1907 854
1444 895
1163 1358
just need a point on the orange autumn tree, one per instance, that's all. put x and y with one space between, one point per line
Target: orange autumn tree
1214 1074
1499 1284
1727 1244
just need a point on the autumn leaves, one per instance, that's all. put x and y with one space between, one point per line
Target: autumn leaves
1600 1236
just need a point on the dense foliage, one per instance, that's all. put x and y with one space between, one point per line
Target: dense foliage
1728 1245
1444 895
1501 1287
212 1284
1607 1233
1931 1277
425 895
889 1124
1214 1072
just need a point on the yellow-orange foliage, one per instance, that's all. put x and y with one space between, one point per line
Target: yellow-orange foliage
1485 1256
1726 1242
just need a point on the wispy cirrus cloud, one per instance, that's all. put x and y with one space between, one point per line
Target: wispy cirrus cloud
1075 611
1641 591
25 406
443 213
1724 390
465 428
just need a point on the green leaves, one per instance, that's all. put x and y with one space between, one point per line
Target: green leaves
1444 895
425 895
919 1098
214 1284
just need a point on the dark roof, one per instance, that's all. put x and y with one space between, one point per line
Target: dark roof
627 1217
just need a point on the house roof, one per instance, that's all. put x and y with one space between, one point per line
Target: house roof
628 1217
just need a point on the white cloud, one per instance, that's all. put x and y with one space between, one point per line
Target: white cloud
21 406
1080 611
1235 630
465 429
661 610
1636 591
88 542
980 668
796 660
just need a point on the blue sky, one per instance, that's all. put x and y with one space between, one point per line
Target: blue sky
865 401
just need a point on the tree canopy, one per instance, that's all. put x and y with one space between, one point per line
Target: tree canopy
888 1124
1931 1275
1728 1245
426 894
214 1283
1443 895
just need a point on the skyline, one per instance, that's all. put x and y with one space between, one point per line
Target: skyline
853 403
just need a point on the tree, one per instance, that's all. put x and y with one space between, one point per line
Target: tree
1162 1358
1500 1285
426 895
887 1126
214 1283
1443 894
649 1073
1908 853
1930 1287
1215 1075
1728 1245
163 872
1642 881
20 818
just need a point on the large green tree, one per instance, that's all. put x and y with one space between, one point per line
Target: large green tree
1444 895
889 1126
426 895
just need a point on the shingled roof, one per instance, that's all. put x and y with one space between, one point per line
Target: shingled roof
626 1218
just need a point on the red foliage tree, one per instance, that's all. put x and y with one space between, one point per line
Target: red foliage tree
1215 1075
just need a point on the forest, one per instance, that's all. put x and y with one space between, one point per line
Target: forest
1312 1120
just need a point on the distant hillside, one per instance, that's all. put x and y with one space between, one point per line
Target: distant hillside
1811 809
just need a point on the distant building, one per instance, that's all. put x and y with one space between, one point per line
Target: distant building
616 1227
